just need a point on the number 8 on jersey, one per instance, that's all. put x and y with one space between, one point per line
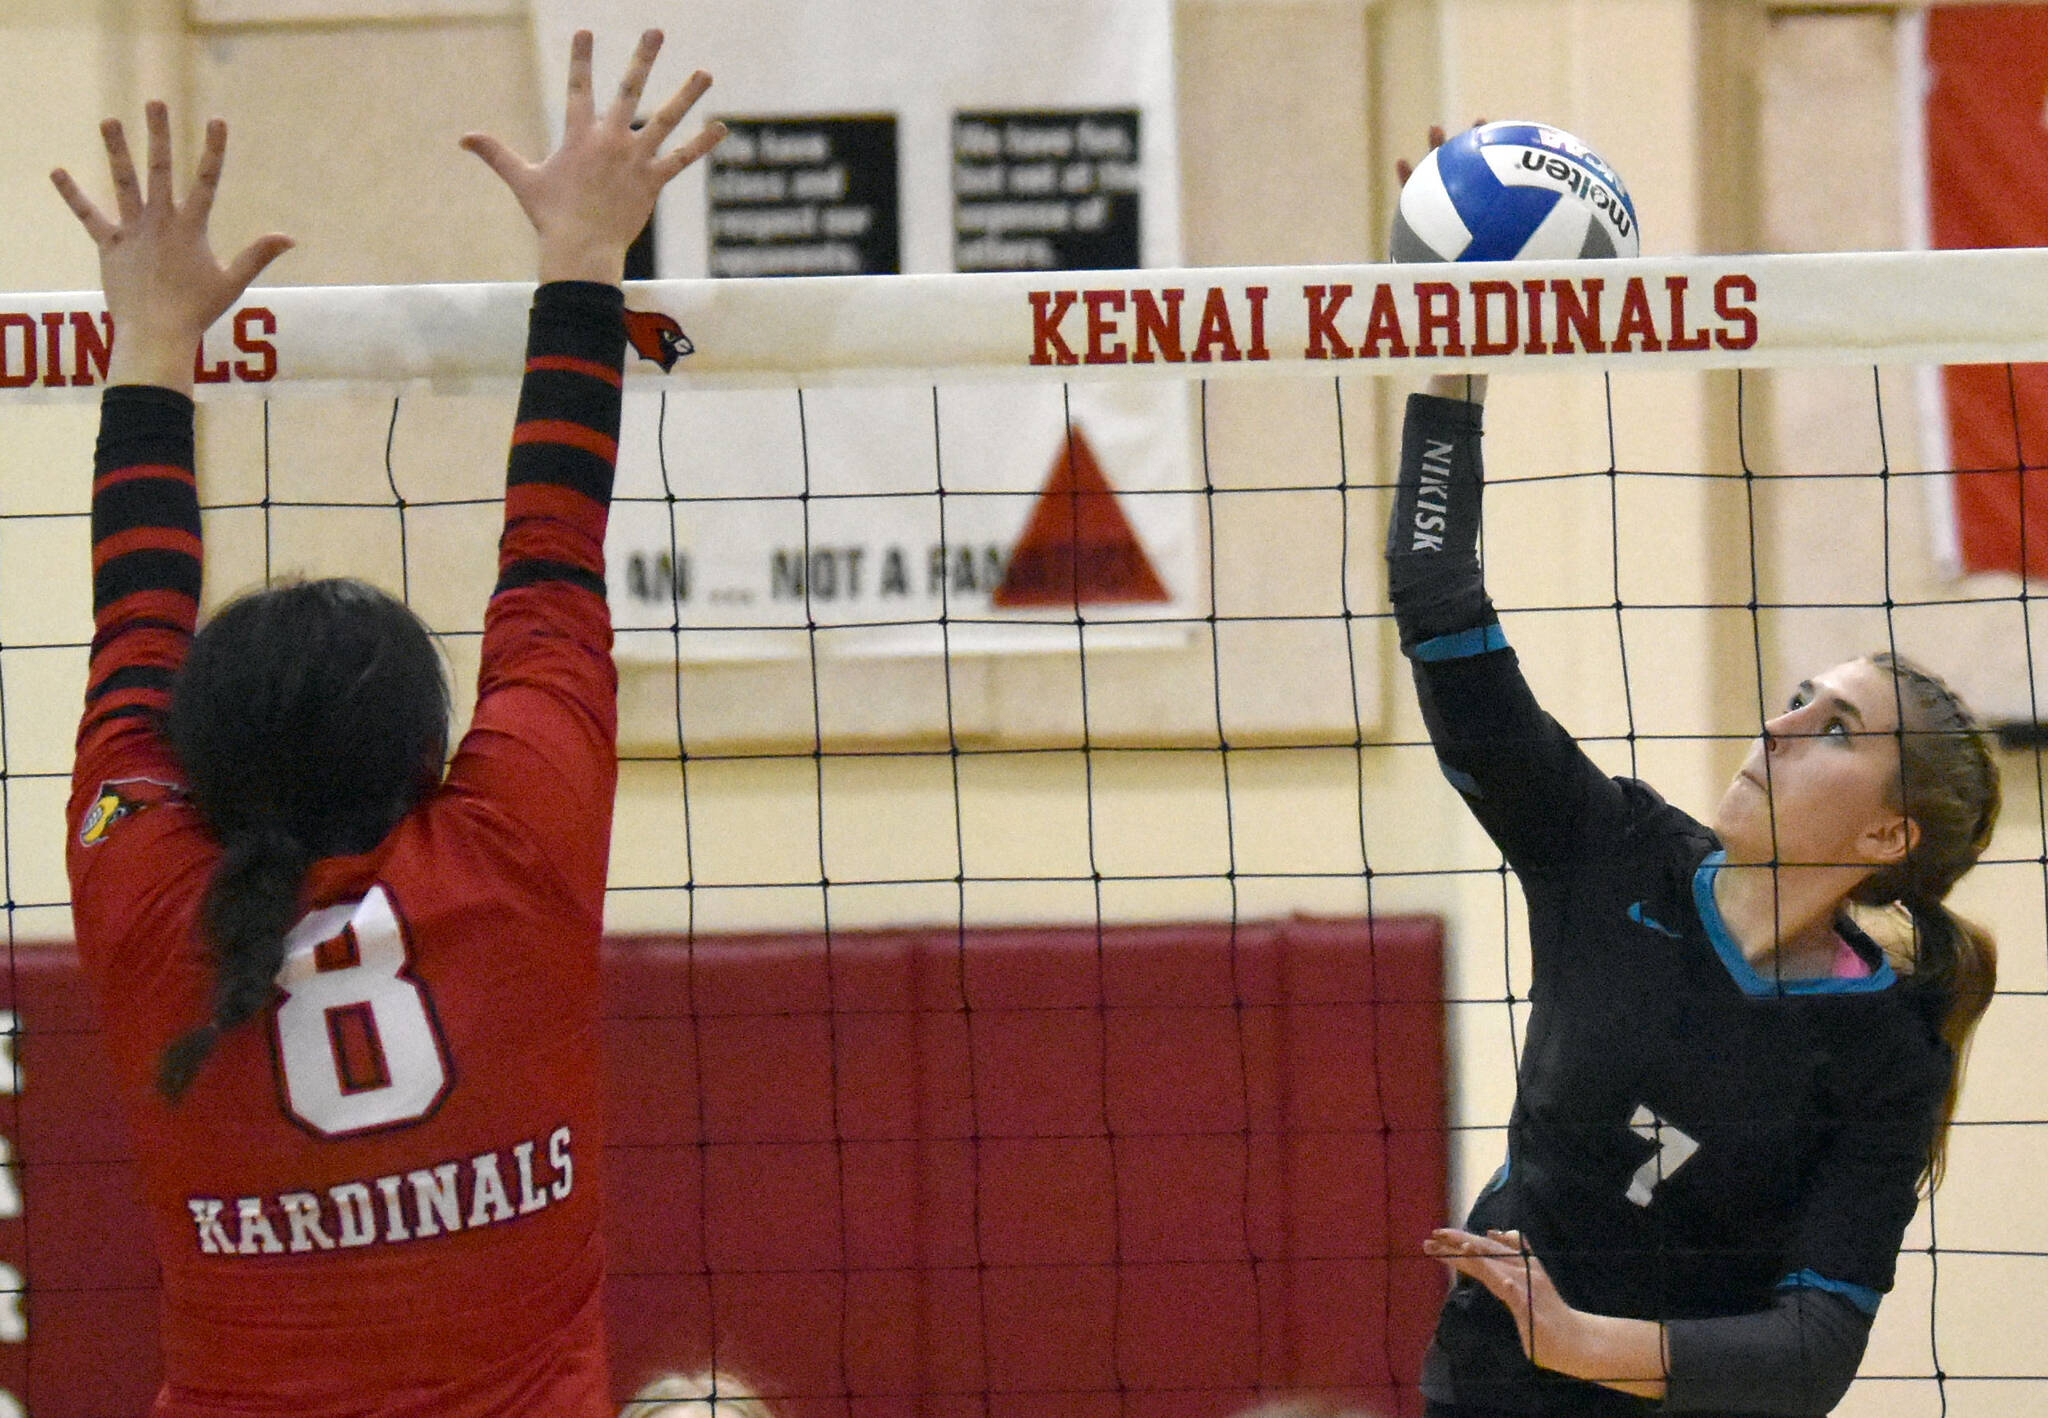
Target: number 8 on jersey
357 1044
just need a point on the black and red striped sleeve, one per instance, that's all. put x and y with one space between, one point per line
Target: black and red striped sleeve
558 484
543 744
145 579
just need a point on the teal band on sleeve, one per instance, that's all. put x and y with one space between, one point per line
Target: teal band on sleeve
1462 644
1861 1296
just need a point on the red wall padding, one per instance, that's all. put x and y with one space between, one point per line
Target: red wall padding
1136 1172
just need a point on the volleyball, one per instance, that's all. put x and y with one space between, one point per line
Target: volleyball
1513 191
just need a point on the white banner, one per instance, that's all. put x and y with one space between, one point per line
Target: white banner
791 532
887 137
924 66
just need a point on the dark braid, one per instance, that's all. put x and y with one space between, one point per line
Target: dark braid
307 719
251 904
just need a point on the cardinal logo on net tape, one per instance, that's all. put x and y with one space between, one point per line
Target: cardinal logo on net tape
658 338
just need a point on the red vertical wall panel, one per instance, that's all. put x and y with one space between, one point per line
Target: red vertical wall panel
1987 185
1138 1171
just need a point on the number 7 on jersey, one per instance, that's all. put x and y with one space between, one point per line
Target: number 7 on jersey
1674 1149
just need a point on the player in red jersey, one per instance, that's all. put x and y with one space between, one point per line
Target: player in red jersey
352 1003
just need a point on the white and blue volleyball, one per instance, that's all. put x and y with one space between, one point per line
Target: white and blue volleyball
1514 192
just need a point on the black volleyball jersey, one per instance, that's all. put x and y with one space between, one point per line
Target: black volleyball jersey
1688 1136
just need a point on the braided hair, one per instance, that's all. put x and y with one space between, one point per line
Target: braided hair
307 719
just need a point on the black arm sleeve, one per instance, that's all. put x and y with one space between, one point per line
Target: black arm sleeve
1526 779
1433 534
1796 1358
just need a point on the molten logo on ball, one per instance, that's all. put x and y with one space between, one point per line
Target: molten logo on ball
1514 192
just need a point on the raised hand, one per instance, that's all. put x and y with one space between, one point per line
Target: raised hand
1469 387
164 285
591 196
1403 169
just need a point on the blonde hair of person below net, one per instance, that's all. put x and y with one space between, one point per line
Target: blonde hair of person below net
701 1395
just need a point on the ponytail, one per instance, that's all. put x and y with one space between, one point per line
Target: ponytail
1948 788
307 720
1963 976
251 904
1949 963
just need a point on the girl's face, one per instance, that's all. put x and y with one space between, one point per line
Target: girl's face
1817 787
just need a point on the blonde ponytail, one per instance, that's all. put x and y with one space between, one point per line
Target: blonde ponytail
1965 974
1948 788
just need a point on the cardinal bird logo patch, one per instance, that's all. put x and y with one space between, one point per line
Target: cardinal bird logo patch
657 337
121 798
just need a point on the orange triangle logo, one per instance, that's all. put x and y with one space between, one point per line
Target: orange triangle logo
1078 548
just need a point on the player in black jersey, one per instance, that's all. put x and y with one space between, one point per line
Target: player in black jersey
1731 1093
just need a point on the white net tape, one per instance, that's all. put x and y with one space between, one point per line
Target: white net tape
800 570
1951 307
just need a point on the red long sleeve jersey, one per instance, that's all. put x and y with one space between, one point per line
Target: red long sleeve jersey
380 1196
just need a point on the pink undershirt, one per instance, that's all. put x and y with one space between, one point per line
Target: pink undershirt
1848 965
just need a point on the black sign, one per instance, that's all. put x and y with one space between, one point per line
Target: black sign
805 197
1046 190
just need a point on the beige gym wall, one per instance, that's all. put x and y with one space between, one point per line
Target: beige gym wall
1291 114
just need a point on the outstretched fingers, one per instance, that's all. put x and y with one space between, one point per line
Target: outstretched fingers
626 106
206 182
1494 1254
511 168
250 261
592 193
131 197
671 114
121 167
581 109
157 118
680 158
164 285
89 216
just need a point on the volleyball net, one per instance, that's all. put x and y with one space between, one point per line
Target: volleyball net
1046 963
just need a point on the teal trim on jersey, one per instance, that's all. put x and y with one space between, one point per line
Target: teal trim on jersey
1461 780
1861 1296
1746 976
1461 644
1636 914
